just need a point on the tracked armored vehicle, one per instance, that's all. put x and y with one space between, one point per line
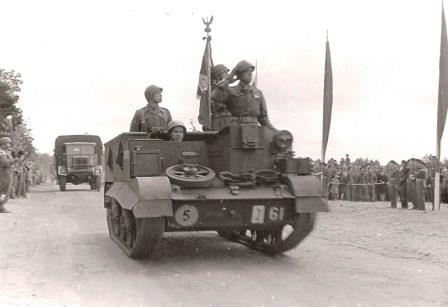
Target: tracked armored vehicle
242 182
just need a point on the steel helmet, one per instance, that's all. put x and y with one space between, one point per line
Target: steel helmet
176 123
151 90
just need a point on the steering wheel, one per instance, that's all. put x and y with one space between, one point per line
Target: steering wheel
190 175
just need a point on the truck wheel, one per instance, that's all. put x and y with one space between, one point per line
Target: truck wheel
98 183
92 185
62 183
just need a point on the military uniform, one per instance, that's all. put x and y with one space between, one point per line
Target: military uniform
419 198
151 119
403 186
371 179
247 102
6 162
244 101
221 116
392 187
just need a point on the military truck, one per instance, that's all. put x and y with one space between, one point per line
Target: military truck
243 182
78 159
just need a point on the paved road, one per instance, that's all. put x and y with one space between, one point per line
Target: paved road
55 251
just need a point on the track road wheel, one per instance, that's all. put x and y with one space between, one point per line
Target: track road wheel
137 237
277 241
289 236
62 183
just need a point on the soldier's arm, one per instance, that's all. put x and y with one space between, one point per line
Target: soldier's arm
170 119
263 117
218 97
135 123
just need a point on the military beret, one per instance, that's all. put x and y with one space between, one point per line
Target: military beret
5 140
151 91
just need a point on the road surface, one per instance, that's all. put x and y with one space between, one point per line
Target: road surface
55 251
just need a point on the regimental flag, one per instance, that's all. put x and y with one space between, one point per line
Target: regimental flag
203 91
328 100
443 84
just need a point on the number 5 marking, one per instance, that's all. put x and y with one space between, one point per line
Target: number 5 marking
186 215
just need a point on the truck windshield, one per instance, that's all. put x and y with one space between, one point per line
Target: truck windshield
80 149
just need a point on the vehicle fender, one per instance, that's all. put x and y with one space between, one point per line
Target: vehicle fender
308 192
145 196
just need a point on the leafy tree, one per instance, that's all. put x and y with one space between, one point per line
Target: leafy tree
11 118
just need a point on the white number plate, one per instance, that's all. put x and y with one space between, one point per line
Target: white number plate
258 214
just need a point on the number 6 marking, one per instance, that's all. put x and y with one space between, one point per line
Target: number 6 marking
276 214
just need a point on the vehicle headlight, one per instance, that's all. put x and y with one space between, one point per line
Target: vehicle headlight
283 140
62 170
98 170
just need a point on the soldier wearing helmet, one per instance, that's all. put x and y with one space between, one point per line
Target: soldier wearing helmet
151 118
176 131
6 162
221 117
245 101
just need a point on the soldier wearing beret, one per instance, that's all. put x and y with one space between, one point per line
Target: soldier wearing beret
245 102
6 162
151 118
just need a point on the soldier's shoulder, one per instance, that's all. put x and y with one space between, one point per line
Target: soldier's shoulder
165 110
234 90
256 91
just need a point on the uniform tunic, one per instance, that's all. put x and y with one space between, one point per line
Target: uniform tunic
248 101
150 119
221 117
6 162
403 188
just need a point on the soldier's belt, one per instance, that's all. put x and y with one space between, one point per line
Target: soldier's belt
244 120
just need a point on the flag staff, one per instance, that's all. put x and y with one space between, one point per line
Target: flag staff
327 104
207 22
442 105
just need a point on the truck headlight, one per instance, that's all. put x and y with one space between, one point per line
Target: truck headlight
62 170
98 170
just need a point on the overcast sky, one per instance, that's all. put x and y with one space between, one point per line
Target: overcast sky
85 65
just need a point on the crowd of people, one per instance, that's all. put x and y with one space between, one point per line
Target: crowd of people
17 173
367 180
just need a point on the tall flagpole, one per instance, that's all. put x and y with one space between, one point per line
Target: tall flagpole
442 105
207 22
437 178
327 103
